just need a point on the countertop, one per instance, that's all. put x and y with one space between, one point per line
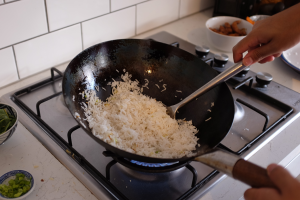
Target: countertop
54 181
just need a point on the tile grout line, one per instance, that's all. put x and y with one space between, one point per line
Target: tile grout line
47 15
81 36
16 62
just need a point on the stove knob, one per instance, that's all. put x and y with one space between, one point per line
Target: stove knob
263 79
202 51
220 60
243 73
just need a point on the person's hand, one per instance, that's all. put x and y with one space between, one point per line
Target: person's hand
270 37
289 187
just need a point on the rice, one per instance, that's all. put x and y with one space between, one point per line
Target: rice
139 124
164 86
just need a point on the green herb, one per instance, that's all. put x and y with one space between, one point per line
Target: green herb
6 121
16 187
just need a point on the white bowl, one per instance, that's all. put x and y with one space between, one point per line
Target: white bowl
225 42
11 175
11 111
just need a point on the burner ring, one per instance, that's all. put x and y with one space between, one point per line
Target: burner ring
146 167
152 164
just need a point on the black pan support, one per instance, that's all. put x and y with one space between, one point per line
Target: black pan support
97 176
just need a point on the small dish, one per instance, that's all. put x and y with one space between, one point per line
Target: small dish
13 112
11 175
292 57
225 42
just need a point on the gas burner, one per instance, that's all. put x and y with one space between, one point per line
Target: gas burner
143 166
152 164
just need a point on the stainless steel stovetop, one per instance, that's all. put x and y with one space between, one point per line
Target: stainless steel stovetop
261 113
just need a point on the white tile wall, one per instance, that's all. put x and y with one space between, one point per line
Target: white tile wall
47 51
7 66
116 25
152 14
46 33
63 13
188 7
6 1
22 20
119 4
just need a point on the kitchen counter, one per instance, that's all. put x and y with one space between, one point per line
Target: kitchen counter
54 181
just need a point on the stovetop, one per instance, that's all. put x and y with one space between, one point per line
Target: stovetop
261 113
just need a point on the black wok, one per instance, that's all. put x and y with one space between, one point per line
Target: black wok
180 70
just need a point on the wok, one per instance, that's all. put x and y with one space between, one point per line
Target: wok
180 70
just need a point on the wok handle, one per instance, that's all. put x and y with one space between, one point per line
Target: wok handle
251 174
236 167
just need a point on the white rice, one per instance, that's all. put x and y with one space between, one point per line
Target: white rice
139 124
208 119
164 86
157 86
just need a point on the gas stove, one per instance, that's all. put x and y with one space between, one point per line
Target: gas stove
263 109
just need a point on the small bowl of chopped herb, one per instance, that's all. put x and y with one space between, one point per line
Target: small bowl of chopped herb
16 184
8 122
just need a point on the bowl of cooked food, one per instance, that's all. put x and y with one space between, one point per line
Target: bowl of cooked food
225 32
16 184
8 122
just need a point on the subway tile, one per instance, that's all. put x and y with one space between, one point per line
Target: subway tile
48 50
120 24
22 20
62 13
188 7
152 14
8 67
119 4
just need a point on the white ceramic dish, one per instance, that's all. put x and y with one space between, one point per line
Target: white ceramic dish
292 57
11 175
11 111
224 42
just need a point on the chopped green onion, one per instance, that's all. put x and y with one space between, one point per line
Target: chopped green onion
16 187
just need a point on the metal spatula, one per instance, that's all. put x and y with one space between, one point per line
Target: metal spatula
224 76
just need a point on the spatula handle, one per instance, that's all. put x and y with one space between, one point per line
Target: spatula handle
224 76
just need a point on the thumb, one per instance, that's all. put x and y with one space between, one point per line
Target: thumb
258 54
282 178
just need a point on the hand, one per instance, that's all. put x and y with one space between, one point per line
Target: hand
289 187
270 37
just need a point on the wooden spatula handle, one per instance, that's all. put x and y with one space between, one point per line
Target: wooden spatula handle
251 174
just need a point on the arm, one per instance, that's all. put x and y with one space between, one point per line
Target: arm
270 37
